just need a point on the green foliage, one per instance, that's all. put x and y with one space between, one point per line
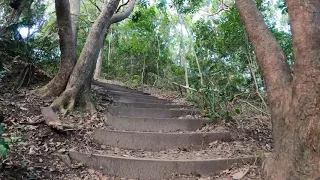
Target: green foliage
187 6
4 147
41 45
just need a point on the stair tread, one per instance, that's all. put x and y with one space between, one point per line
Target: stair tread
151 168
156 141
217 150
154 124
150 112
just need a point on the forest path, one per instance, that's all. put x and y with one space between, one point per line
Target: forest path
145 137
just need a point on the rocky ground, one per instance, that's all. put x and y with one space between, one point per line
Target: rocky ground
38 151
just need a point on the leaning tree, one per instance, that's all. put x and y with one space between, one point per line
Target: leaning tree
293 94
73 81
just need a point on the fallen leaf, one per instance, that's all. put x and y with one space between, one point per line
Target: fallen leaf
91 171
240 174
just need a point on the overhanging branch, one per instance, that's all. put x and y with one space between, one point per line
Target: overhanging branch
117 17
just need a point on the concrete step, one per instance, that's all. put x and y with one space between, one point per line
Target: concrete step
149 112
127 99
154 141
115 87
151 105
129 94
142 168
154 125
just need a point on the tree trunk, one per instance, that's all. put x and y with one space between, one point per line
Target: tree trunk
81 73
68 52
184 59
143 71
294 102
109 48
75 13
97 73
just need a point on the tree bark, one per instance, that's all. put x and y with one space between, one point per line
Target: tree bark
75 13
294 101
68 52
186 78
82 73
97 73
109 48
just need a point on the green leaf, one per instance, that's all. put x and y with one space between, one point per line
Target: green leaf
1 129
7 140
22 143
3 150
238 111
15 138
3 142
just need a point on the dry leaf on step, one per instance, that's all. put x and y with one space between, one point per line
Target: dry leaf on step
240 174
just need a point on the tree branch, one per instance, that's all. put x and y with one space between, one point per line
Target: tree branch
223 7
93 3
122 6
124 14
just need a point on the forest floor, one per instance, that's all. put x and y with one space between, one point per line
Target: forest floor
40 151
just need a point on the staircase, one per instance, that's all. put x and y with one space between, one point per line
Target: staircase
153 142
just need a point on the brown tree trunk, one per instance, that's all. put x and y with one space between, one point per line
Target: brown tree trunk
80 74
294 102
68 52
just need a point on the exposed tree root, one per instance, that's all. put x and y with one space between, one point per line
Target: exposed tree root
69 99
65 102
88 103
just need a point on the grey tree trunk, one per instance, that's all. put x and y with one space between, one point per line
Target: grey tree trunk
75 13
97 73
109 48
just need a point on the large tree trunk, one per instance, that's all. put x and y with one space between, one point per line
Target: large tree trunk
68 52
81 73
294 102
